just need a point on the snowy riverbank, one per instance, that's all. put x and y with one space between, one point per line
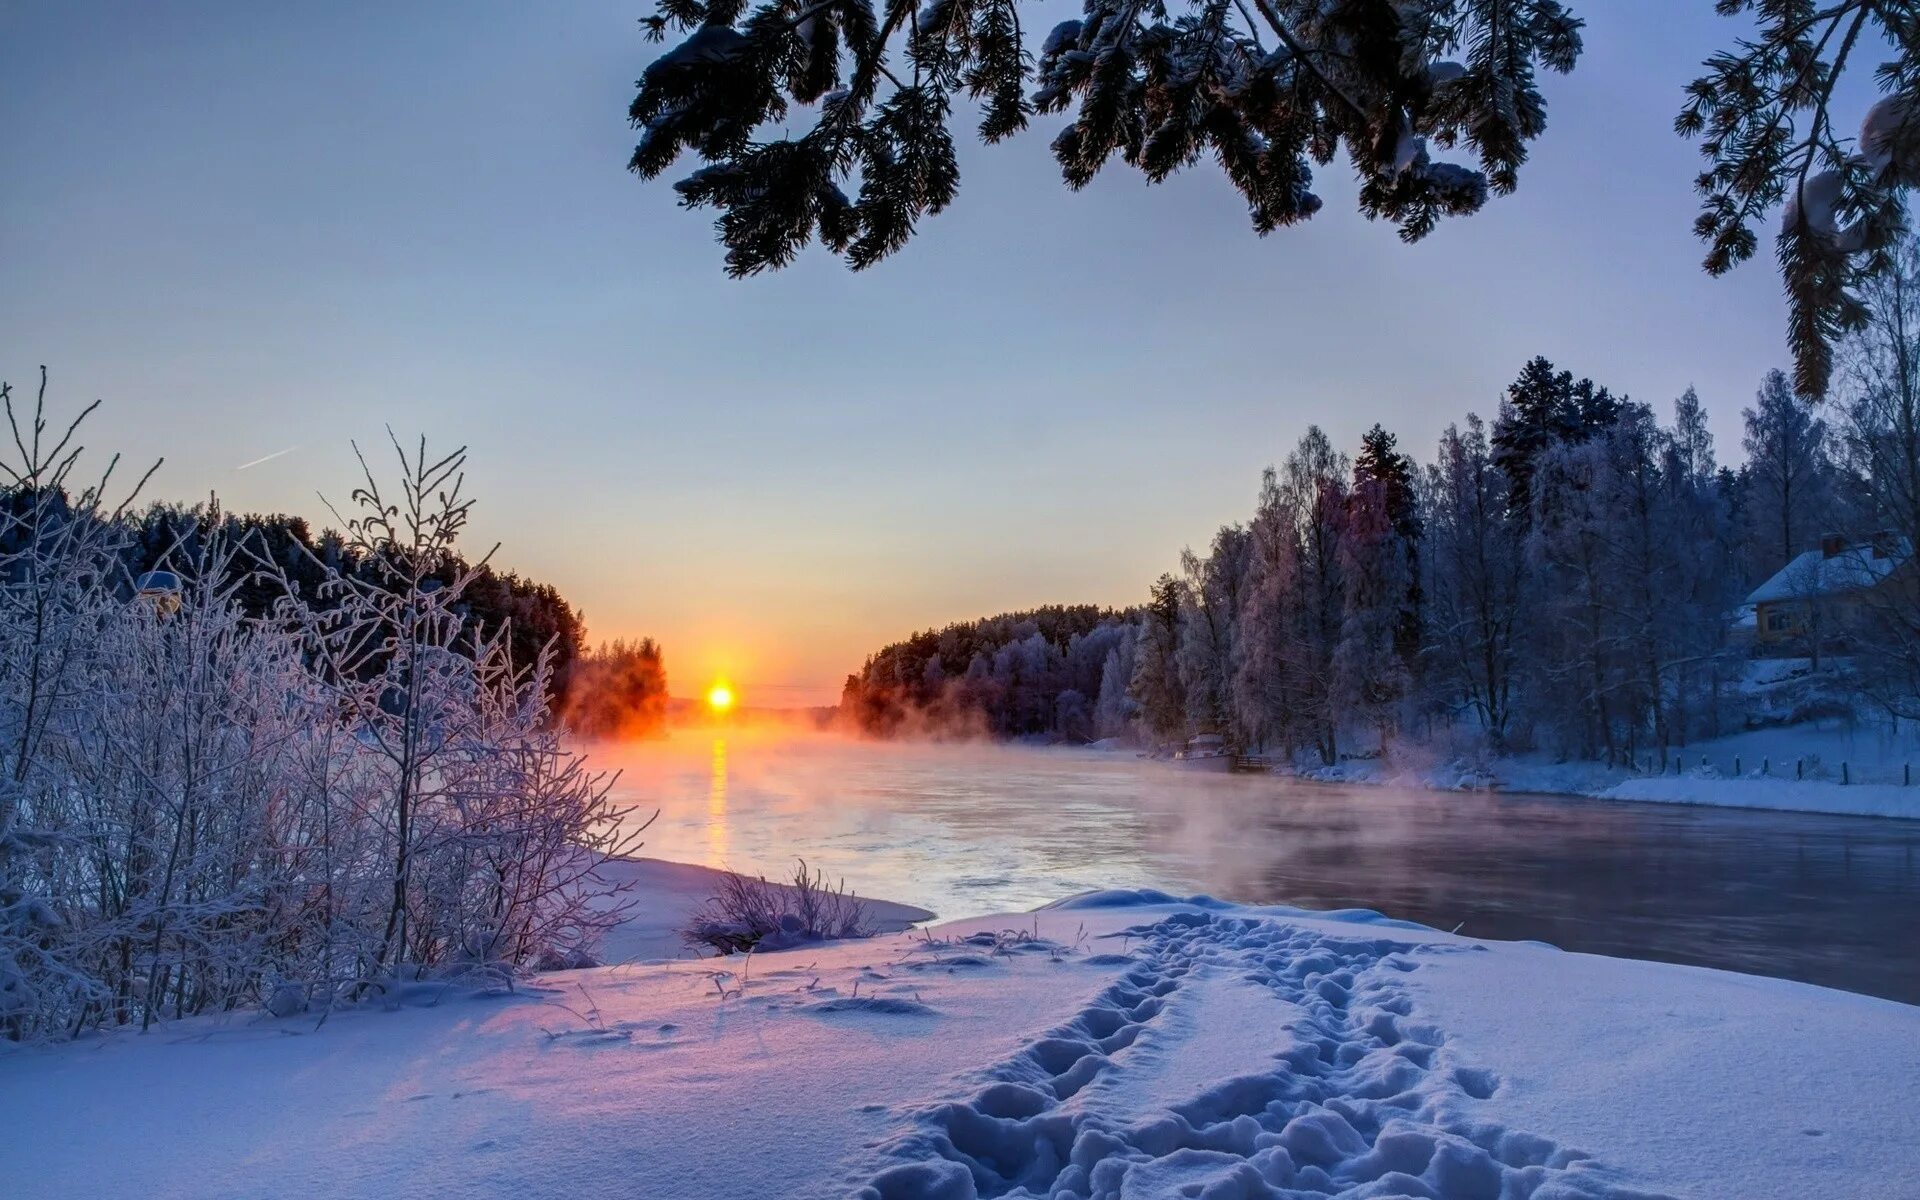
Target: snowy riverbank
1796 769
1121 1044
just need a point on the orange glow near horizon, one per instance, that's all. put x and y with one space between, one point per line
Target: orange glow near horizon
719 699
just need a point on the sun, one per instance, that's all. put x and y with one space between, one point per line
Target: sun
719 698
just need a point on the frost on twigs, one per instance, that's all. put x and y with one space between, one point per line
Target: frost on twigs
751 913
832 119
356 796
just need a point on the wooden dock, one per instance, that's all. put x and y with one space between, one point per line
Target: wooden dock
1251 764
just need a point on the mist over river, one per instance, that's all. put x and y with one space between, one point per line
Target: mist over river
971 830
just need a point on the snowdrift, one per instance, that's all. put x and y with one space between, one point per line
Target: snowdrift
1120 1044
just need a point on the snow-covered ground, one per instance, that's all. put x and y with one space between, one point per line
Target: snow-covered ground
1826 766
1807 757
1860 800
658 896
1122 1044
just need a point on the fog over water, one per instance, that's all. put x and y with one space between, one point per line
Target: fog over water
972 830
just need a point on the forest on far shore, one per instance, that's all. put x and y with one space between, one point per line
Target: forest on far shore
1571 576
618 689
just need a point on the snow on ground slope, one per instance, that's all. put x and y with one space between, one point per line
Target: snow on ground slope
1119 1045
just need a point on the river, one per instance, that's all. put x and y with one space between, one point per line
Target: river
971 830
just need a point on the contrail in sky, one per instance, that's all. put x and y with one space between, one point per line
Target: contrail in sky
266 458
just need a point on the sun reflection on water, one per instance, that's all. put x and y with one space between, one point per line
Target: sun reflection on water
717 806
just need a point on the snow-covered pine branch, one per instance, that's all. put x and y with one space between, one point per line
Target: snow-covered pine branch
1268 88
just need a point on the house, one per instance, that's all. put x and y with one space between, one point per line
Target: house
1822 595
1206 750
160 589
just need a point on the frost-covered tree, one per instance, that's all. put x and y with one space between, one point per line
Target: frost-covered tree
1156 671
1371 674
1073 716
1380 464
1210 599
1878 415
791 105
1708 577
1574 676
1265 714
1115 711
1314 488
485 831
1475 571
1787 472
1644 550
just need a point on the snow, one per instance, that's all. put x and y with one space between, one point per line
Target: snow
1879 131
1122 1044
1815 573
1788 795
659 896
1839 766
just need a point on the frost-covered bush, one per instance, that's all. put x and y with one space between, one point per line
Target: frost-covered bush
751 913
202 809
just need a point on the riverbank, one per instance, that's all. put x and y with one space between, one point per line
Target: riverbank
1591 781
1830 769
1119 1044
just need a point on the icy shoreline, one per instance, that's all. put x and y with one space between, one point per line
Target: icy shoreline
1123 1044
1592 781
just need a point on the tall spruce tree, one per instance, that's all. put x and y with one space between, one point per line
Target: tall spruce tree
1381 465
1545 408
1156 665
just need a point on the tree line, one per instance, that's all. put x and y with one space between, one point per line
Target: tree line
1568 576
617 689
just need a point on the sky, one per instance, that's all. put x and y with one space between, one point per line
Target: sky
260 232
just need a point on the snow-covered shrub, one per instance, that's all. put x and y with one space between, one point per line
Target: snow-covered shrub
751 913
58 590
486 829
202 809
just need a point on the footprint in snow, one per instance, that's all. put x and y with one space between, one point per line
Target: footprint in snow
1359 1101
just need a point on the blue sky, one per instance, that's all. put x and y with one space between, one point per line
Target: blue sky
256 228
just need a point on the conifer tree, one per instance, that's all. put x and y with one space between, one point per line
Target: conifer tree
1380 465
1544 408
1764 115
1370 671
791 104
1156 672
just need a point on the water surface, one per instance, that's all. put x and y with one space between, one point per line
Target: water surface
966 831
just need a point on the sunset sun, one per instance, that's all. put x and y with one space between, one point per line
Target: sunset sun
719 699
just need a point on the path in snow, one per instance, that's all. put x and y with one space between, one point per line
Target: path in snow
1237 1058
